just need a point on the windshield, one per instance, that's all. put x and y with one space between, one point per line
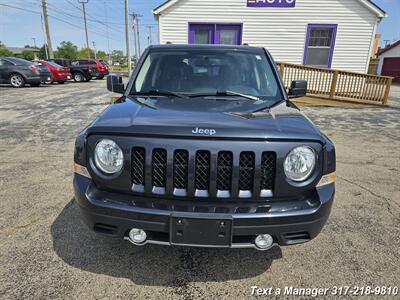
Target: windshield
201 74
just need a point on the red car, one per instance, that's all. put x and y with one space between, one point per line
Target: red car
102 68
59 73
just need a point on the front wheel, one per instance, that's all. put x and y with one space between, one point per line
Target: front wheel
61 82
17 81
78 77
99 77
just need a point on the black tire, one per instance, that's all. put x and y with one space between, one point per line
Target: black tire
87 79
36 84
78 77
100 77
61 82
17 80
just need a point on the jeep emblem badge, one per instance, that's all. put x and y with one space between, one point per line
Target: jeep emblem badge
204 131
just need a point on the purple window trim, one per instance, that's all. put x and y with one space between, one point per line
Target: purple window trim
276 3
213 35
333 41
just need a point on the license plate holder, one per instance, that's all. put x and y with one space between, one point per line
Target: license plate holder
198 231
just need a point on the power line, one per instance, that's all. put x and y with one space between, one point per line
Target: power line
20 8
92 19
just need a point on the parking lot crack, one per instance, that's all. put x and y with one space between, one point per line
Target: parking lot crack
389 202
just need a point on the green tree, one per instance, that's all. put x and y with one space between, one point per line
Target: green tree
101 55
83 53
67 50
5 52
118 55
42 53
2 45
28 55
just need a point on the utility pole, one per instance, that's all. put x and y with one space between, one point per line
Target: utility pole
34 42
84 18
44 38
135 26
149 38
94 49
128 50
47 28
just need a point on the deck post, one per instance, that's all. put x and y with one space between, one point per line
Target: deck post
387 91
333 85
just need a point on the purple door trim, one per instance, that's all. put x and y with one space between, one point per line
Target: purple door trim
333 41
214 27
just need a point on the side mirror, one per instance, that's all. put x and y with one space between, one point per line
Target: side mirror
298 88
115 84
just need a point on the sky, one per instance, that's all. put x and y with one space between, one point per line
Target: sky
18 27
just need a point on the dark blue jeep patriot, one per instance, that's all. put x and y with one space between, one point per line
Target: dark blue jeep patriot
205 149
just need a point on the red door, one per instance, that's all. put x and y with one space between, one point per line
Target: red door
391 67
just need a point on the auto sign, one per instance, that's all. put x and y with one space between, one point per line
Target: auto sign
271 3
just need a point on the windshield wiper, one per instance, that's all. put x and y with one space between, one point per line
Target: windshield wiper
159 92
225 93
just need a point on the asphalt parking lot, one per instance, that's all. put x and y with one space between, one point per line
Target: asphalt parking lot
47 251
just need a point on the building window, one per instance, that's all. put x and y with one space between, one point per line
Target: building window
320 43
224 34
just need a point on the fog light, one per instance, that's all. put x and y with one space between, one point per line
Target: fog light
264 241
137 235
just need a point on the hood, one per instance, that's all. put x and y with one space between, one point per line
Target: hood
280 122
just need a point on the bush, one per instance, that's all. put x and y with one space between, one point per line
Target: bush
5 52
28 55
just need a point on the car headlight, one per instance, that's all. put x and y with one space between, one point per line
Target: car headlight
300 163
108 156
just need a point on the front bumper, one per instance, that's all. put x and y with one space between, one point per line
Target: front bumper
287 221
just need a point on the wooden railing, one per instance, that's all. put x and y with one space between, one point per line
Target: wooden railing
339 85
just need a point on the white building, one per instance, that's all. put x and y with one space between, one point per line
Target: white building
325 33
389 61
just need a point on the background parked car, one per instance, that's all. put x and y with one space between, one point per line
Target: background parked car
59 73
79 72
18 72
102 69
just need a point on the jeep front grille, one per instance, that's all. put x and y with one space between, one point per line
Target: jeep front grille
202 173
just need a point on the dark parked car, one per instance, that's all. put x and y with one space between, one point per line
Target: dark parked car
80 72
18 72
206 149
102 68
